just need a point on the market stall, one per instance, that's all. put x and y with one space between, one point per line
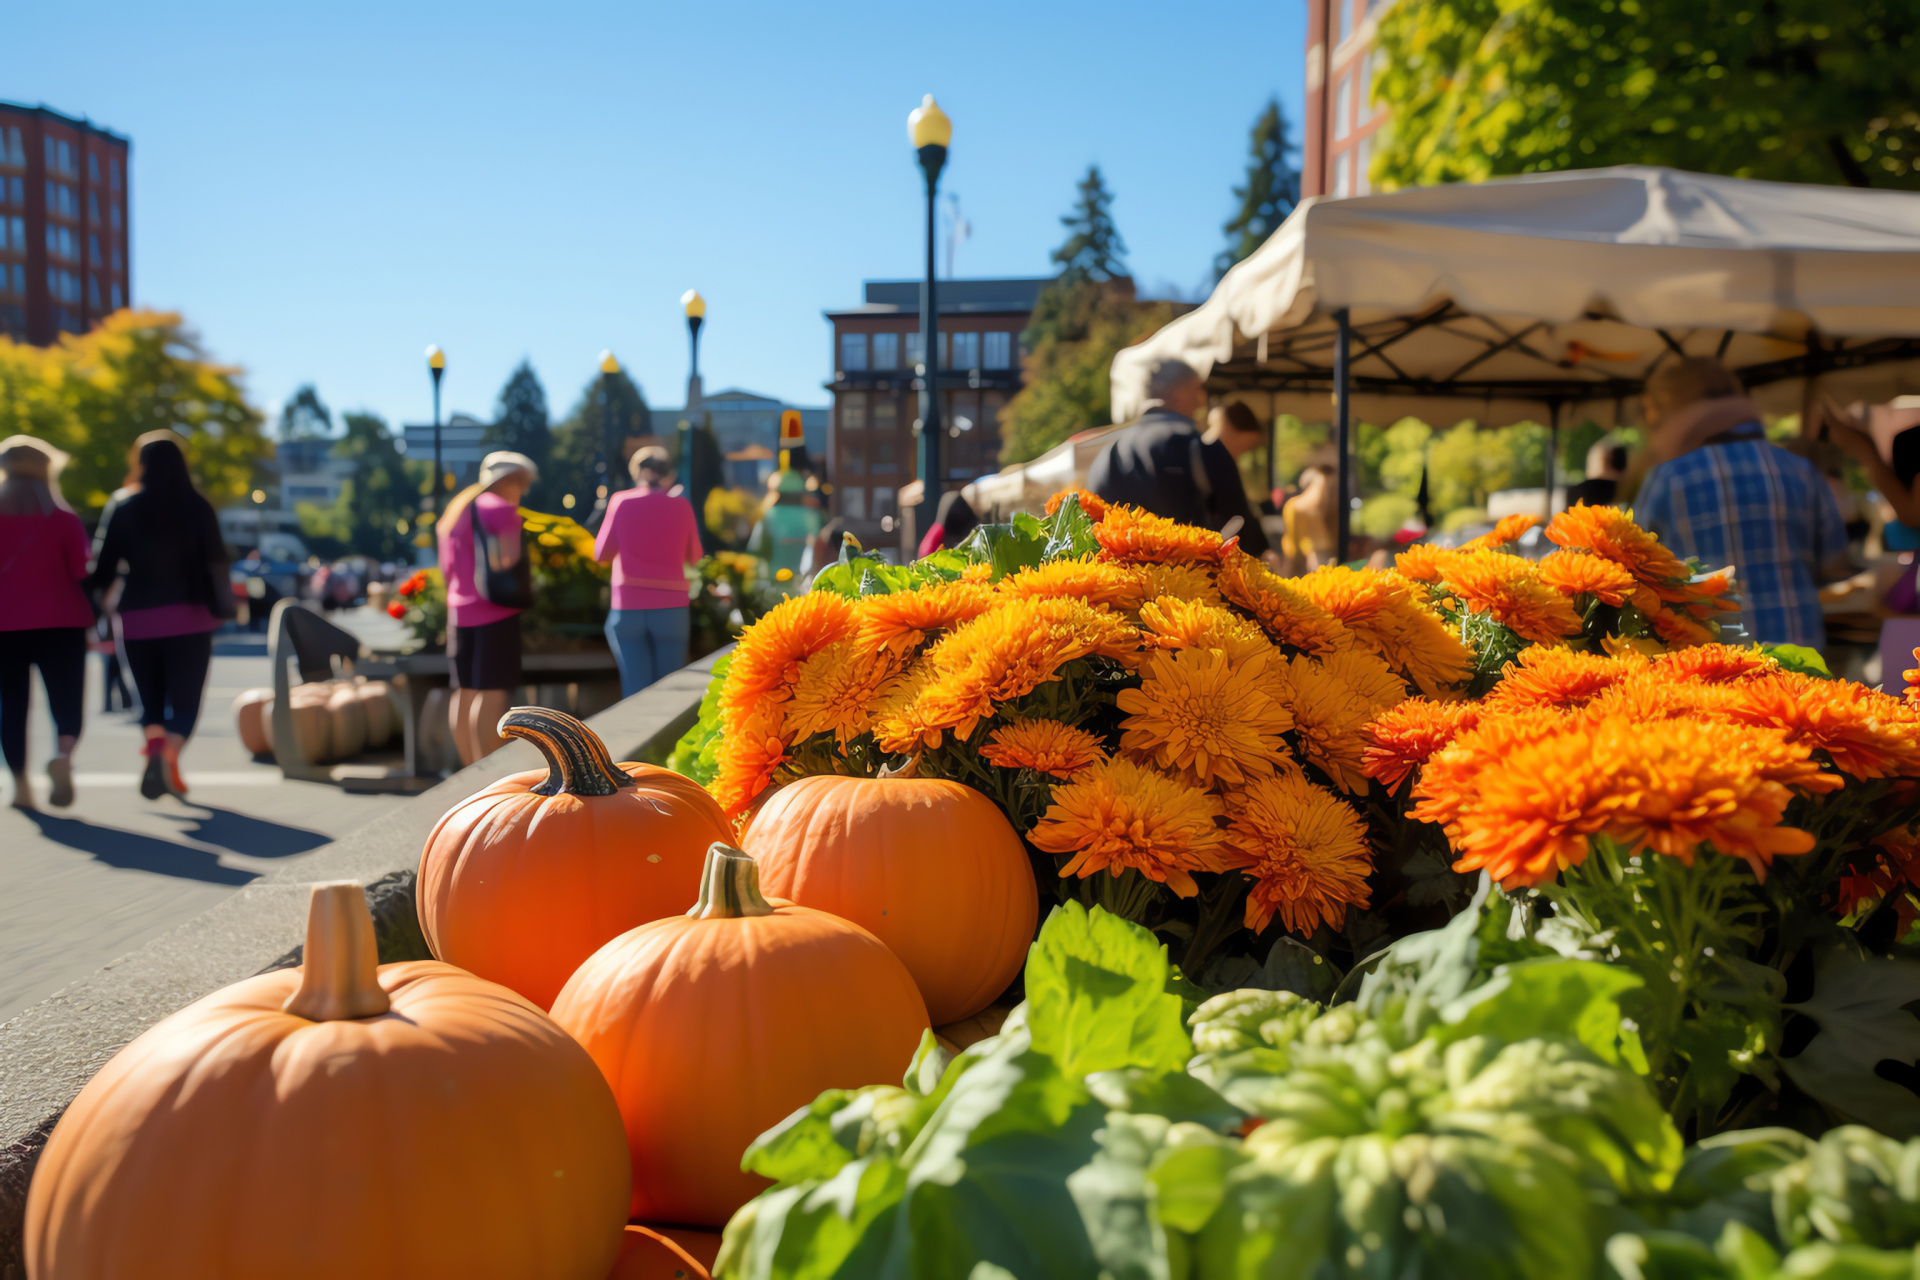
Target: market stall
1551 297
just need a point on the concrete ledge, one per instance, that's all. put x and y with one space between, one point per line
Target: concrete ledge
50 1051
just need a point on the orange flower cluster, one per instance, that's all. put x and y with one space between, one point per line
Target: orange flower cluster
1665 589
1043 745
1092 504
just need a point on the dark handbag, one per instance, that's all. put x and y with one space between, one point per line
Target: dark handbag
510 588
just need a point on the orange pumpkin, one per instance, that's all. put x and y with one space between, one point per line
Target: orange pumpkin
930 867
251 712
657 1253
714 1026
526 879
340 1119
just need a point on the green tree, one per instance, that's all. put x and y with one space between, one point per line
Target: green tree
589 444
520 423
1094 250
305 416
1791 90
1271 191
378 511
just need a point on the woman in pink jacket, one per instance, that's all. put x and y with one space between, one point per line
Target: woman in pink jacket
648 536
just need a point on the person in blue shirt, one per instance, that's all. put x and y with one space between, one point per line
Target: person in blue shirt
1720 492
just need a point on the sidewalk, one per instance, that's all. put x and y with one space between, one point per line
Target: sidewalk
80 887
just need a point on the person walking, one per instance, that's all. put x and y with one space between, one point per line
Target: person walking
1718 491
488 585
164 541
648 537
953 521
43 559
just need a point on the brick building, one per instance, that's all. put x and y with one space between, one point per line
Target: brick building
65 258
1340 124
872 448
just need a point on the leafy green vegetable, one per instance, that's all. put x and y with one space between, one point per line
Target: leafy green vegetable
1098 999
1008 548
1574 999
1070 531
1795 657
693 756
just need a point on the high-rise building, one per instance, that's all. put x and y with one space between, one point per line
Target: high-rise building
65 258
1340 123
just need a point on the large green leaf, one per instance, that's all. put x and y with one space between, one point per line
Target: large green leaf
1574 999
1861 1004
1097 997
1069 532
1008 548
1117 1202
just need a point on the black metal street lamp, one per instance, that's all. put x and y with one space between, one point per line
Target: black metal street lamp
609 368
696 308
437 366
931 131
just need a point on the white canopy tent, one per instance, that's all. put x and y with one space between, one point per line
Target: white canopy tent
1526 298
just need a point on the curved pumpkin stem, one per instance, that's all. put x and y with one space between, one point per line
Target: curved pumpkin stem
729 886
911 769
339 975
577 761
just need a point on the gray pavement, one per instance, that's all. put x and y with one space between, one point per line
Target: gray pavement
83 886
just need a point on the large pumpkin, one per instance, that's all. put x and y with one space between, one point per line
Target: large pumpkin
339 1119
930 867
526 879
714 1026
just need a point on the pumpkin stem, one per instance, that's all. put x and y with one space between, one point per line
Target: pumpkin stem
729 886
911 769
339 975
577 761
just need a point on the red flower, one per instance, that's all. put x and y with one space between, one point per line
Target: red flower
396 610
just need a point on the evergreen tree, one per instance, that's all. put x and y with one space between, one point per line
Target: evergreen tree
1271 191
520 423
709 472
589 446
1094 250
305 417
378 512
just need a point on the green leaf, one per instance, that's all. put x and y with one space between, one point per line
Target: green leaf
1795 657
693 756
1008 548
1070 532
1097 996
1190 1175
1860 1003
803 1145
1116 1201
1175 1095
1664 1255
1574 999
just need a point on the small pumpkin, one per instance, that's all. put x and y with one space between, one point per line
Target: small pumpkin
346 720
252 710
930 867
343 1118
378 704
714 1026
660 1253
524 880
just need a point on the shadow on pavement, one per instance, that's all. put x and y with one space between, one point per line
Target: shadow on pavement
255 837
136 852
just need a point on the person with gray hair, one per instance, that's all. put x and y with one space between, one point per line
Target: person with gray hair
650 535
1161 462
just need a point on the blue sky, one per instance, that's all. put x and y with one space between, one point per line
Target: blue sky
324 190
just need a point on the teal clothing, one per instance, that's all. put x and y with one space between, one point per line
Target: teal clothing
785 534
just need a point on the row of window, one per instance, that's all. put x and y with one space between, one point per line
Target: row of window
13 150
63 243
855 506
13 191
1351 108
13 234
62 286
13 282
860 352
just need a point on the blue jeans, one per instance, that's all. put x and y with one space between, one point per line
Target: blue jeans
648 643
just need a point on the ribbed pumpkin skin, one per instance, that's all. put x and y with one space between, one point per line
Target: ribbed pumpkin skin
461 1134
930 867
713 1031
519 888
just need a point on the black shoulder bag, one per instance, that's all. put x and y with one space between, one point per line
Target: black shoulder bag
510 587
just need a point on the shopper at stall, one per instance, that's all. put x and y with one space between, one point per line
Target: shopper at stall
164 540
1718 491
649 537
488 586
43 560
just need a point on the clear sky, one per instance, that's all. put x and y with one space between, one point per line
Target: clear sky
323 190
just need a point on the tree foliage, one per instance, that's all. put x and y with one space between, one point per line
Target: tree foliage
588 446
520 423
92 394
1094 250
378 511
1271 191
1791 90
305 416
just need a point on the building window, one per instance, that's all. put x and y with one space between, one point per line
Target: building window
853 411
16 150
883 504
1342 107
1363 90
884 457
114 211
93 292
93 206
886 413
916 350
19 238
853 504
113 174
853 461
1340 175
93 168
114 291
116 257
886 351
18 188
999 351
966 351
853 352
59 156
93 250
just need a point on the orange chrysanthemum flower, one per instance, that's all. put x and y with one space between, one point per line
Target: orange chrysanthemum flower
1572 573
750 751
1449 776
1171 623
1199 714
1716 664
898 624
1679 630
836 693
1306 850
1651 695
1182 581
767 659
1382 612
1507 530
1510 589
1117 816
1912 679
1611 533
1132 536
1046 746
1094 581
1093 504
1286 612
1422 562
1334 699
1864 732
1558 677
899 725
1403 738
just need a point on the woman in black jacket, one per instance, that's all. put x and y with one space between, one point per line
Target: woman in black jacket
165 540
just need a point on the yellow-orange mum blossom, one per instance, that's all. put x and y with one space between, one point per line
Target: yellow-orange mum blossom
1184 581
898 624
1382 611
1046 746
1094 581
1421 562
1306 850
1864 732
1563 678
1334 699
1198 714
1653 694
1611 533
1669 787
1449 777
1507 530
1679 630
1171 623
751 750
1403 738
1716 664
1117 816
837 691
1575 573
767 659
1091 503
1510 589
1286 612
1912 679
1132 536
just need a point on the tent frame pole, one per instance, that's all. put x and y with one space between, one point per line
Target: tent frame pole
1343 428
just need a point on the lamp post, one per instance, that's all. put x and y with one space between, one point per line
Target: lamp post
696 308
437 366
930 131
608 368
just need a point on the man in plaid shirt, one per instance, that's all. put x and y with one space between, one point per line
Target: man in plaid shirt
1720 492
